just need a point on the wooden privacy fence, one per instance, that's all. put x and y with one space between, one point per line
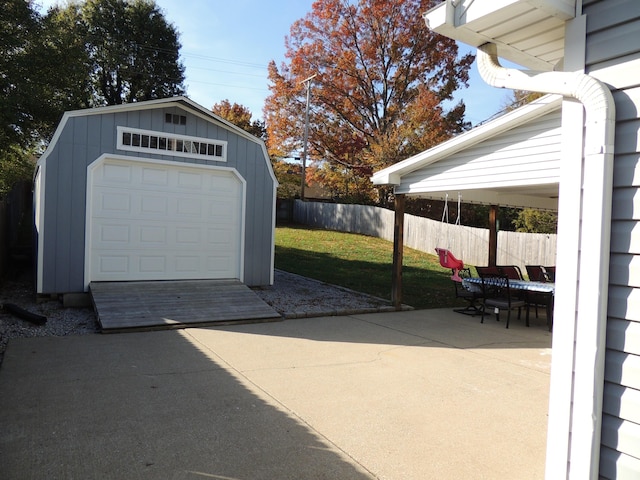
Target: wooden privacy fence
469 244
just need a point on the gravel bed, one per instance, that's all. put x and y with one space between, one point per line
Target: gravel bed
60 321
292 296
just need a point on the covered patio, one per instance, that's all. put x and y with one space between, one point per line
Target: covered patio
513 160
561 52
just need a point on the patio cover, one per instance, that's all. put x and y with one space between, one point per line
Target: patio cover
521 169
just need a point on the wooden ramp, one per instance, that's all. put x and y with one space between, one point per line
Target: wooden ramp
127 306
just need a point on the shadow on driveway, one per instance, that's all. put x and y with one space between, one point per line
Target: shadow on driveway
146 405
401 395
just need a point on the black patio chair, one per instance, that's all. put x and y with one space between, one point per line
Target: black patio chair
551 273
497 295
538 273
472 297
487 271
511 271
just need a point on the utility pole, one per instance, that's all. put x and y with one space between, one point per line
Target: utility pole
306 135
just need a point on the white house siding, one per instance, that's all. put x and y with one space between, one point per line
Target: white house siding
613 56
525 155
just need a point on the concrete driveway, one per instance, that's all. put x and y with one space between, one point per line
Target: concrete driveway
405 395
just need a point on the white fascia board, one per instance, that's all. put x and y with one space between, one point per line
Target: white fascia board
56 135
125 107
179 101
393 175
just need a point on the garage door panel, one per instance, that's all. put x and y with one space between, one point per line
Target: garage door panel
113 203
154 176
219 237
152 264
152 235
187 237
116 173
188 226
189 181
219 263
113 264
219 217
153 205
119 234
220 189
187 263
189 206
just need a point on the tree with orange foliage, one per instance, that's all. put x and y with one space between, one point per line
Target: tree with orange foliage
240 116
382 84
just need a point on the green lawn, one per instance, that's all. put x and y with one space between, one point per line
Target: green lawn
363 264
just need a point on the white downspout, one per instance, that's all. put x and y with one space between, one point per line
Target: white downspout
580 313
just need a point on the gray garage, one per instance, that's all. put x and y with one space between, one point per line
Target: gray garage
157 190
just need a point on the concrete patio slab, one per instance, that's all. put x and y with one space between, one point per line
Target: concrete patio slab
403 395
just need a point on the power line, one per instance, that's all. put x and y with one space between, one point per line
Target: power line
225 85
225 60
214 60
225 71
198 56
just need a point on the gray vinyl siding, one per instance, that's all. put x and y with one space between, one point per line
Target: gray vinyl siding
613 56
84 138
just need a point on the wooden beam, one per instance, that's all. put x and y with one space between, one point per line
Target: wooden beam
493 236
398 252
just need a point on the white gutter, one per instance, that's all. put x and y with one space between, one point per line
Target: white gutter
577 379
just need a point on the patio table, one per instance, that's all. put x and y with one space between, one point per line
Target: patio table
474 284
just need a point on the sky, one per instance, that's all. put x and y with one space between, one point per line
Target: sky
227 45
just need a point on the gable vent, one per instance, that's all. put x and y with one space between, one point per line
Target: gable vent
175 119
133 139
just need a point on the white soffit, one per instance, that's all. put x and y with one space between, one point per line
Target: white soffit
527 32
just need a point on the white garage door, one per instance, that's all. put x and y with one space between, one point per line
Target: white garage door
163 221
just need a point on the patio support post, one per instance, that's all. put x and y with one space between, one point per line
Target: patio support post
493 236
398 251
